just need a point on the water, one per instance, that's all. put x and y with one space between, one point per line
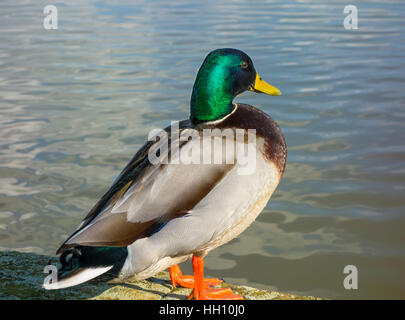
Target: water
77 102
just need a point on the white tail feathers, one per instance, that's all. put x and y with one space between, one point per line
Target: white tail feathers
76 277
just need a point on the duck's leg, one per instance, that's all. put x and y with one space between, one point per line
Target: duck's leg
177 278
201 292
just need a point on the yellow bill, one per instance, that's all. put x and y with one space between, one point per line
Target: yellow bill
263 87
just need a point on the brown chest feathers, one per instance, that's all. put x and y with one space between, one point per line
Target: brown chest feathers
248 117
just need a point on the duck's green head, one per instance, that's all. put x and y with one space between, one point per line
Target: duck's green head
224 74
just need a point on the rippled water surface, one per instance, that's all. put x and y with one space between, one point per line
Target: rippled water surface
77 102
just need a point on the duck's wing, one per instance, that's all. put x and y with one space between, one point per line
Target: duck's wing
146 195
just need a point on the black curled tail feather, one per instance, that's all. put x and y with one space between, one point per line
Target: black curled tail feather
68 265
92 257
82 263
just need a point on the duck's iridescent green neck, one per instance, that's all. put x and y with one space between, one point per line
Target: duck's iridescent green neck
213 91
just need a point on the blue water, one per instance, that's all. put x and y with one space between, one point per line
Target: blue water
77 102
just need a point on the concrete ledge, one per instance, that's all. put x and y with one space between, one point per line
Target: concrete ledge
21 277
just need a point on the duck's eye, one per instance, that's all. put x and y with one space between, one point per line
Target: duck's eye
244 65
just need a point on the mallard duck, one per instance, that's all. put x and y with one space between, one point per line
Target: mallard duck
158 214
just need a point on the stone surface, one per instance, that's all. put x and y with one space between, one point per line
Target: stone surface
21 277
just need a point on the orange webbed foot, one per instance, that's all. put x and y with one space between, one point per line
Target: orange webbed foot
202 292
214 294
177 278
